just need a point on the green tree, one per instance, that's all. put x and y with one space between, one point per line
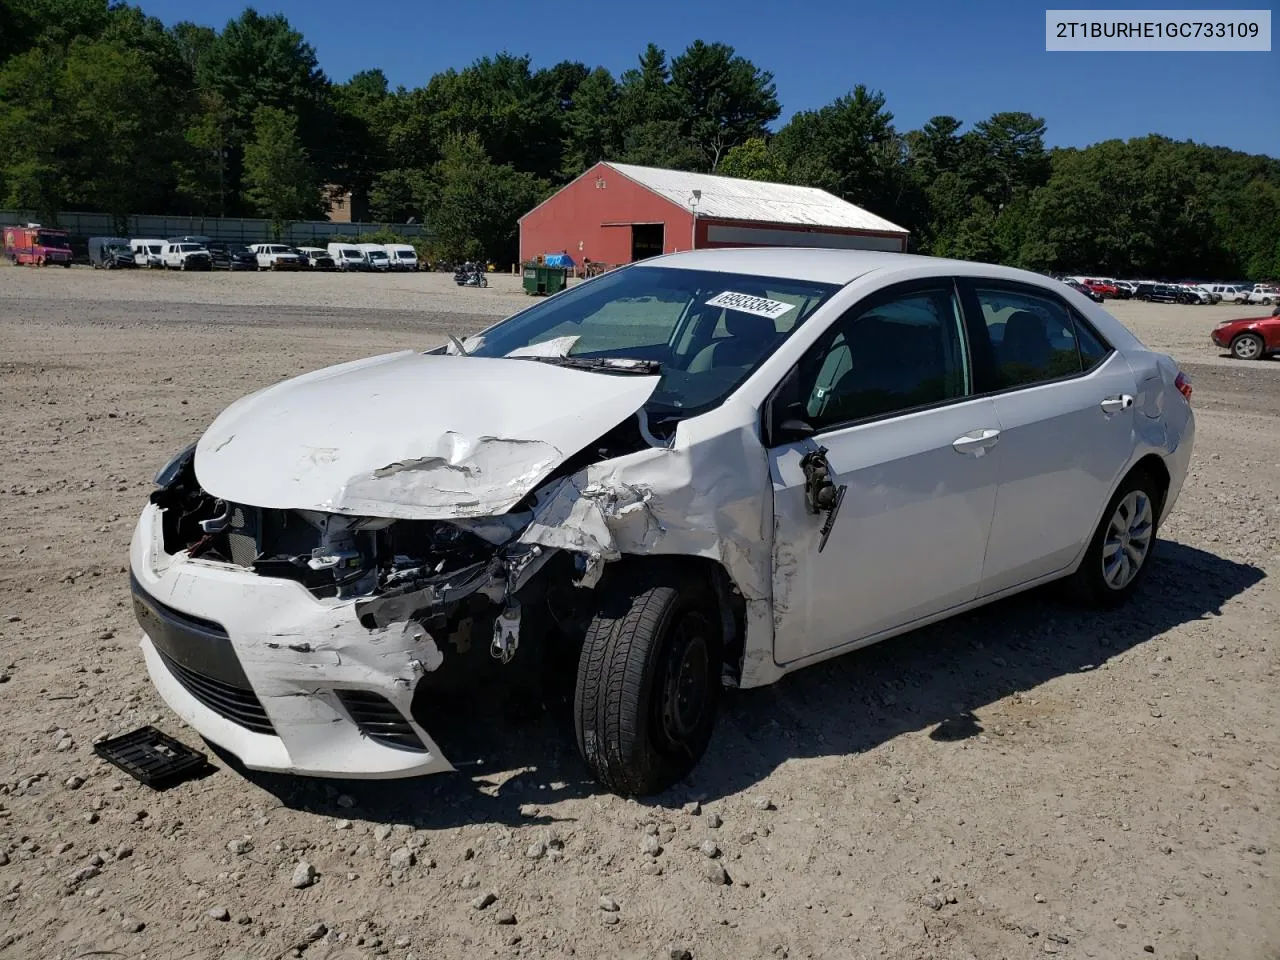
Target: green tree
34 126
202 166
592 131
753 160
1005 154
645 91
509 109
849 147
721 99
193 42
120 134
476 202
281 183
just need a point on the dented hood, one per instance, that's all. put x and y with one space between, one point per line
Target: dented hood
411 435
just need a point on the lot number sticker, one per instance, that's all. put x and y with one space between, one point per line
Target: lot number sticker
745 303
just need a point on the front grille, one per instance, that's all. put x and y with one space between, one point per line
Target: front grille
238 704
379 720
242 535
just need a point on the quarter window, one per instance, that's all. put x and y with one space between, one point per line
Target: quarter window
889 356
1035 338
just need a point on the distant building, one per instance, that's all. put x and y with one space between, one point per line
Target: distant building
345 206
618 212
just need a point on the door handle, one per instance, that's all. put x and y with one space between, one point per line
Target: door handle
977 443
1113 405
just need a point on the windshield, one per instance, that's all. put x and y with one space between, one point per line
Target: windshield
350 254
52 240
154 248
707 330
190 247
377 255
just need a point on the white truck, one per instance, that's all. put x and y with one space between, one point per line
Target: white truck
186 256
1265 294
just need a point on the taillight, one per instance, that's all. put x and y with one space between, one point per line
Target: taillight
1183 383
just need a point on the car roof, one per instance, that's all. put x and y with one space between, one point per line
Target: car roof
818 265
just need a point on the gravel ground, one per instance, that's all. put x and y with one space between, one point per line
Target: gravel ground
1025 780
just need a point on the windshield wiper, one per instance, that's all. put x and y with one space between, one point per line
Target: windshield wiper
603 364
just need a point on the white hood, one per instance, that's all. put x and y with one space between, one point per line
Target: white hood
411 435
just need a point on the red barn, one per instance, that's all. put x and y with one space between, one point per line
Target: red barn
617 212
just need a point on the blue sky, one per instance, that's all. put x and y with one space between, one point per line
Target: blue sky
966 59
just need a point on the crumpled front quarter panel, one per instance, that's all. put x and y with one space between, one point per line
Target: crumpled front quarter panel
708 495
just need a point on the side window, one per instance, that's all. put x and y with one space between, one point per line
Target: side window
1034 337
1092 350
888 356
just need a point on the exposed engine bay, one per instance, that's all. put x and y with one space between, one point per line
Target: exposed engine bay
462 580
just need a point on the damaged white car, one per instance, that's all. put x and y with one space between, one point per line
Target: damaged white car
705 470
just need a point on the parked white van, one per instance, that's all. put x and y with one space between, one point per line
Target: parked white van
402 256
277 256
147 252
376 254
348 256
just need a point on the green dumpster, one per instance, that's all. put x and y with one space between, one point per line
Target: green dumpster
539 279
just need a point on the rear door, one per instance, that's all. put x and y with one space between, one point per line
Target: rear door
888 395
1066 403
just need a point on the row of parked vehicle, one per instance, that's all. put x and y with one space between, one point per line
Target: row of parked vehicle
1100 289
204 253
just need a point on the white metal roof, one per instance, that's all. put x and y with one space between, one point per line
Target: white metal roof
726 198
836 266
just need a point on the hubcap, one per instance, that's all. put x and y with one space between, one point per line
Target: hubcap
1246 348
1128 540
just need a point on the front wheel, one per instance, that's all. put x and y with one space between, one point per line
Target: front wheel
648 678
1247 346
1119 554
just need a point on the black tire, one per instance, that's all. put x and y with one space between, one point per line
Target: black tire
1248 346
648 678
1089 584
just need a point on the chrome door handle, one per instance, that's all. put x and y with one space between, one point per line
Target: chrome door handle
1116 404
976 443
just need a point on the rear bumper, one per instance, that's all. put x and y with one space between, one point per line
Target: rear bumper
282 680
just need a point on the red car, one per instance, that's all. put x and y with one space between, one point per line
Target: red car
1102 288
1252 338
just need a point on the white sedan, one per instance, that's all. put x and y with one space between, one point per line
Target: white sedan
706 470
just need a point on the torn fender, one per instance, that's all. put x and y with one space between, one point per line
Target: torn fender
411 435
708 495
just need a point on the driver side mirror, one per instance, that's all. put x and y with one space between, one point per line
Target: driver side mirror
793 428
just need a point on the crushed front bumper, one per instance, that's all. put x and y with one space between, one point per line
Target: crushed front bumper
286 682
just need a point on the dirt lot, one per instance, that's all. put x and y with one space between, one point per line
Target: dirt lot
1027 780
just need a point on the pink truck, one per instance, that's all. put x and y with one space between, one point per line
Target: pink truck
37 245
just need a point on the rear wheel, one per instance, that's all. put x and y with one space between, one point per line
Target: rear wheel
1120 552
1247 346
648 678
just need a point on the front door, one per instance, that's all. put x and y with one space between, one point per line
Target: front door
1065 405
888 395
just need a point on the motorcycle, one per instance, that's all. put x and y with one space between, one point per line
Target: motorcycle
470 275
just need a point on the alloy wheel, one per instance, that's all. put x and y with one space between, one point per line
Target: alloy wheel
1128 540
